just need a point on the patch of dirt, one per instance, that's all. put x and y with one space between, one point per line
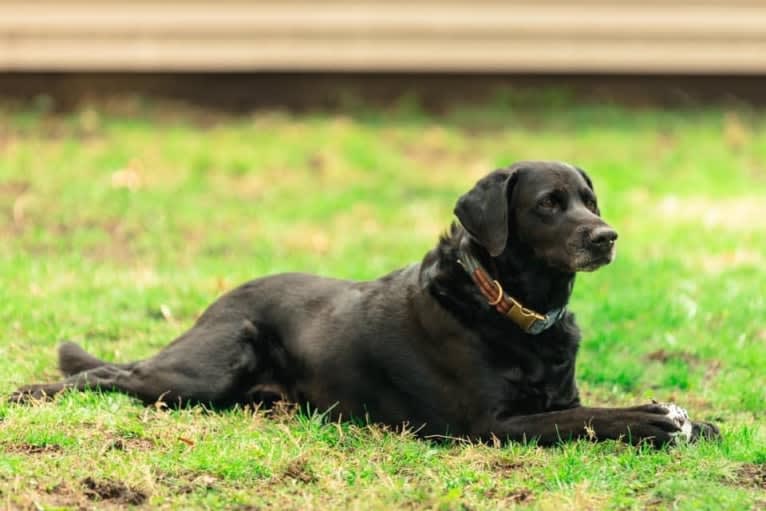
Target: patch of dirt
188 482
751 474
505 465
25 214
517 496
129 444
736 133
299 470
60 495
121 245
655 503
521 495
712 366
32 449
663 356
115 491
14 188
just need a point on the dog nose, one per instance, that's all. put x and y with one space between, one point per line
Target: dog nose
603 237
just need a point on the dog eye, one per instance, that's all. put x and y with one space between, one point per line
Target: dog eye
547 203
591 205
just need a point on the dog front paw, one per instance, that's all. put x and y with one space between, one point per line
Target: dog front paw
681 417
691 431
688 430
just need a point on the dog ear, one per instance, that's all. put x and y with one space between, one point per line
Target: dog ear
483 211
586 177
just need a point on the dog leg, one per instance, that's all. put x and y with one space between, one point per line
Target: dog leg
104 378
651 423
213 364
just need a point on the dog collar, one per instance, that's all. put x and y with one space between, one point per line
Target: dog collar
528 320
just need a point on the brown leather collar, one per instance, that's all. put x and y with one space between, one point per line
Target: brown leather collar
528 320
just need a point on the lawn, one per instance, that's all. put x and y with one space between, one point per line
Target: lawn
121 222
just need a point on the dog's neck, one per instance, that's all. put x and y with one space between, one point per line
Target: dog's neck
527 278
521 275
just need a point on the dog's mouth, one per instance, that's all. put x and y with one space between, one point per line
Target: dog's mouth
587 261
578 257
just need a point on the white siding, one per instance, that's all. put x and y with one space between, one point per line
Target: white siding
583 36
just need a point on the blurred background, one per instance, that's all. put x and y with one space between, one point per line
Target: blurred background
241 54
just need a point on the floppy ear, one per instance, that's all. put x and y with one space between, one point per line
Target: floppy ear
483 211
586 177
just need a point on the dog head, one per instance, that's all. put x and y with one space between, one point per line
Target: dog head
549 208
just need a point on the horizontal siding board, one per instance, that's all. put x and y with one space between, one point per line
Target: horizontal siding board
403 55
505 19
545 36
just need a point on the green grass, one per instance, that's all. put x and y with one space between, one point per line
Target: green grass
119 228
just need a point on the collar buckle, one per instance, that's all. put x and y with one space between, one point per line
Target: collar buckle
528 320
522 316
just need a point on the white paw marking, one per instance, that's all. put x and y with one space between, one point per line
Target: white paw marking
680 417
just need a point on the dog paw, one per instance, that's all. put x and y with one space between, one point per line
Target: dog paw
681 417
689 431
671 419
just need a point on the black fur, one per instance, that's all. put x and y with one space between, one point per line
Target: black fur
419 346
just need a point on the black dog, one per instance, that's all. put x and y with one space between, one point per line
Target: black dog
475 341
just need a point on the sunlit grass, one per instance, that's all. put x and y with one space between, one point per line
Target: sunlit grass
108 220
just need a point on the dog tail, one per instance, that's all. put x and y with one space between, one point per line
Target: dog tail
73 359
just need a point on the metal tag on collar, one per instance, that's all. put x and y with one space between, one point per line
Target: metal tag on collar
522 316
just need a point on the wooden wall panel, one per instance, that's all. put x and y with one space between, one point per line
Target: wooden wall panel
581 36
